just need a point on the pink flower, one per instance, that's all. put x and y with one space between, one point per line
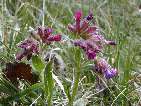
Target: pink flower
87 29
78 16
54 38
82 25
46 35
28 46
89 46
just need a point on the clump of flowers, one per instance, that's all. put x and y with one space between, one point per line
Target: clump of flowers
91 41
29 46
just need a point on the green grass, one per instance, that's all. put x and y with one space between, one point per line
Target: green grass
119 20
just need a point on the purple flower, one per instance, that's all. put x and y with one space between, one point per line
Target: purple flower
87 29
93 45
110 73
104 68
91 41
82 26
81 43
89 46
54 38
90 16
46 35
102 64
91 54
28 46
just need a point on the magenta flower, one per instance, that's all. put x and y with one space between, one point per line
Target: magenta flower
90 47
78 16
91 54
89 32
46 35
87 29
104 68
28 46
54 38
82 25
92 42
93 45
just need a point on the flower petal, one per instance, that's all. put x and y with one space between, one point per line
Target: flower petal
71 28
90 16
54 38
78 15
47 32
91 54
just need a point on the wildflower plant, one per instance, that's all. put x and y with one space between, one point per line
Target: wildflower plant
31 50
90 41
65 63
93 43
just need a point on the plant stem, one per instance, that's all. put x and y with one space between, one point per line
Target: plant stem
43 13
75 87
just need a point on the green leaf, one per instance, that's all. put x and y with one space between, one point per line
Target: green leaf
37 63
48 82
67 86
7 87
58 82
22 93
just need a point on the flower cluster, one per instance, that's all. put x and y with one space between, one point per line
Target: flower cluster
91 41
46 35
104 68
82 25
31 46
90 46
